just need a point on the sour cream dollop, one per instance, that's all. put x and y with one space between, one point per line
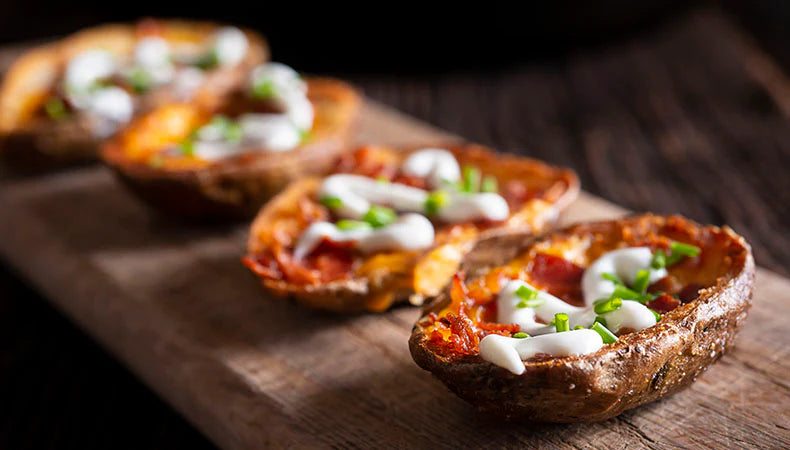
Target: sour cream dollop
230 46
409 232
510 353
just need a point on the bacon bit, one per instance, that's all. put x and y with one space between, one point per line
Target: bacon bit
663 304
689 292
498 328
364 162
462 339
558 276
263 267
458 294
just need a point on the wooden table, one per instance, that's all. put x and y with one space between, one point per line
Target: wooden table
688 119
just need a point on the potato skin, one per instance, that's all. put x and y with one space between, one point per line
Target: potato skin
639 368
354 295
235 189
35 145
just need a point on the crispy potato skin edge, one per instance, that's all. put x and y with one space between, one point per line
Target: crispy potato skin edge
639 368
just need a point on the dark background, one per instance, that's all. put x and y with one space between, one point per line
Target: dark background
59 389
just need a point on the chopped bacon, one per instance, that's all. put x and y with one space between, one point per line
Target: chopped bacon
689 292
498 328
263 267
462 339
663 304
558 276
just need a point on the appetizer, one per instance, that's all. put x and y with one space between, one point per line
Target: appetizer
585 323
58 101
224 162
394 225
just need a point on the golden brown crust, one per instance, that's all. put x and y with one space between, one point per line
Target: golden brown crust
378 290
637 369
236 188
33 144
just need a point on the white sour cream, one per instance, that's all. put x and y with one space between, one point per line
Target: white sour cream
230 46
109 107
357 193
510 353
437 165
187 81
152 54
270 132
625 263
289 90
409 232
88 67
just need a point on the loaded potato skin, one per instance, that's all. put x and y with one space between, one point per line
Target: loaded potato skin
640 367
336 277
230 188
43 123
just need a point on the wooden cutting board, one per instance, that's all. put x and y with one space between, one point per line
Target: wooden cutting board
175 304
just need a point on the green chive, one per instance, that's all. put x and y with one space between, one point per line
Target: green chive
642 280
601 320
353 225
264 90
55 108
489 184
305 136
659 260
607 336
520 335
379 216
382 179
609 305
578 327
187 147
208 60
331 202
471 176
233 132
140 80
527 293
561 322
612 277
624 293
658 316
435 201
681 251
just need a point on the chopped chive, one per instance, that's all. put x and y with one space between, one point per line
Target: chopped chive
658 316
233 132
659 260
140 80
642 280
331 202
578 327
561 322
612 277
489 184
681 251
207 61
471 177
620 291
382 179
305 136
187 147
353 225
264 90
607 336
379 216
55 108
527 293
612 304
601 320
520 335
435 201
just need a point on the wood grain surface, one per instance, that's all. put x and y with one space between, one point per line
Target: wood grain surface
177 308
